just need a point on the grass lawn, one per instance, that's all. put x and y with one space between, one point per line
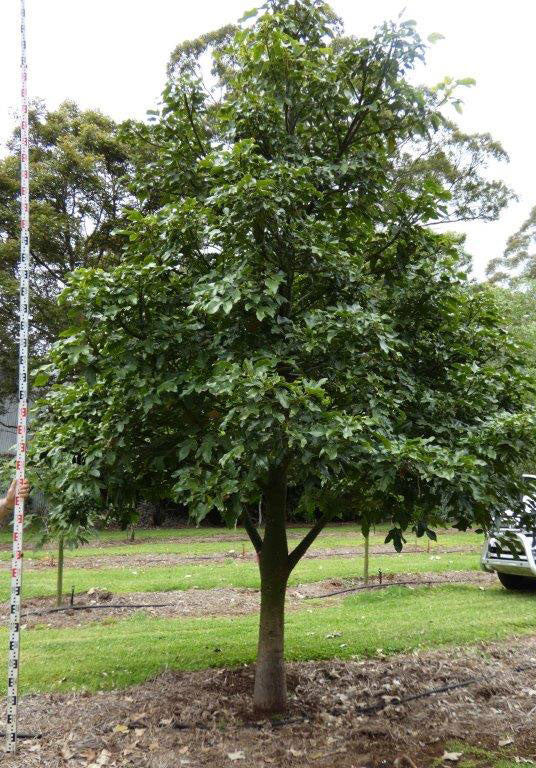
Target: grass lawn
234 573
170 541
476 757
118 653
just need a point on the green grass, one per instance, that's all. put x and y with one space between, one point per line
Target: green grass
120 653
477 757
336 537
232 573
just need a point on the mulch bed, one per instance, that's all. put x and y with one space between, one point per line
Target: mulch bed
209 602
202 719
150 559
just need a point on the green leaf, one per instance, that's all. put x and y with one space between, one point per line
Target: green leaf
273 283
90 374
248 15
185 450
383 345
468 81
435 37
41 379
282 398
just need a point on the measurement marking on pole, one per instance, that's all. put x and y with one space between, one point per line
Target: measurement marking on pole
18 518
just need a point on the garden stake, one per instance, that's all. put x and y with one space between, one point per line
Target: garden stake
18 514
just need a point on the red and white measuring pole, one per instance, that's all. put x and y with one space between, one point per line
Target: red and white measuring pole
18 521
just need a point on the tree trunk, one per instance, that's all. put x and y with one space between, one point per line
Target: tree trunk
270 692
366 558
59 583
132 532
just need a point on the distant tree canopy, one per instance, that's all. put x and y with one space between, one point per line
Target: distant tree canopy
517 308
518 263
286 319
79 167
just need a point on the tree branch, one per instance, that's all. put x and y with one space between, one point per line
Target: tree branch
194 128
252 532
299 551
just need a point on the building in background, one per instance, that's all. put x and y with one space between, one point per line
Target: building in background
8 428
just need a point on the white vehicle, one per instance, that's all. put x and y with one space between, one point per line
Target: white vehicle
510 550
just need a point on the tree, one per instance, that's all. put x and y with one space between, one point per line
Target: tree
518 262
517 307
286 319
79 171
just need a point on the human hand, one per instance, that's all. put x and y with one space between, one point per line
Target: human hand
24 490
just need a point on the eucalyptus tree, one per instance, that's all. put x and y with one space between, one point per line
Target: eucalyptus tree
286 317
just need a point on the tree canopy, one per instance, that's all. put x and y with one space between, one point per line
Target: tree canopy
79 167
287 317
518 262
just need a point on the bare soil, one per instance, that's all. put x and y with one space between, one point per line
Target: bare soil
127 560
207 602
204 719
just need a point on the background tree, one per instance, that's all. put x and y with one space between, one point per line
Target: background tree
517 307
286 320
518 262
80 167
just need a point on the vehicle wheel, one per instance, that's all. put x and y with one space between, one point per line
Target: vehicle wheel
519 583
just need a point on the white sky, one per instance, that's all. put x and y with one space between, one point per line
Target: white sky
112 54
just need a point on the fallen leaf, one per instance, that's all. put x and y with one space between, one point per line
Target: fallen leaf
506 742
67 753
452 757
236 755
166 721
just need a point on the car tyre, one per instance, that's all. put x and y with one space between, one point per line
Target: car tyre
517 583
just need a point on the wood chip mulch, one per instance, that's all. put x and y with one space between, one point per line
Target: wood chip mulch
202 719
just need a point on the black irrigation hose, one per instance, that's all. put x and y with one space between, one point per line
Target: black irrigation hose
433 691
387 584
93 608
365 711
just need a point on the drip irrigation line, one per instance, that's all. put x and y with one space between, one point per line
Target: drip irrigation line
384 585
95 607
434 691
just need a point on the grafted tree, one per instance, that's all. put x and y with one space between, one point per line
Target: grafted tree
287 318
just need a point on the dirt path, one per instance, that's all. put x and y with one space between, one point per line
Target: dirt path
203 719
128 560
207 602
